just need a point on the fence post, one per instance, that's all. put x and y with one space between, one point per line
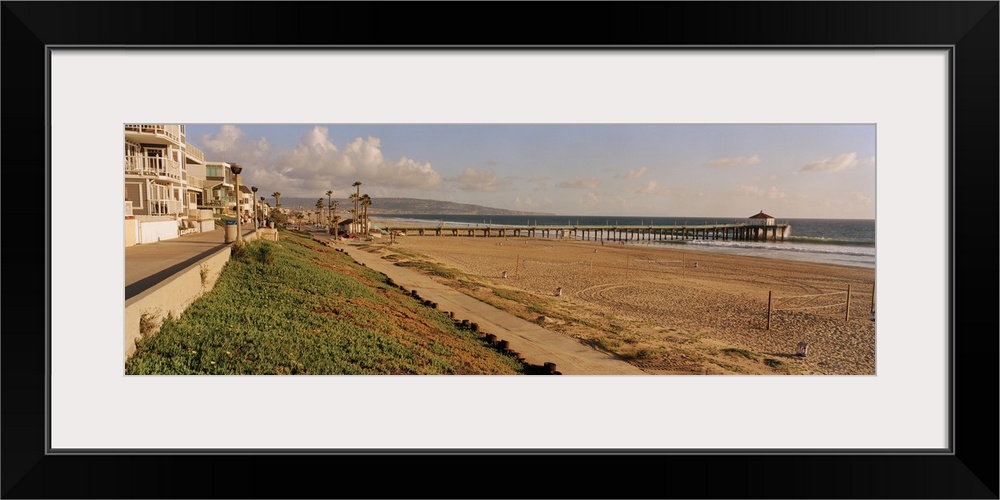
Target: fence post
847 311
769 309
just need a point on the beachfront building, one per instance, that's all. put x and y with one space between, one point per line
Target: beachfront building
159 192
246 201
351 226
761 219
220 188
263 210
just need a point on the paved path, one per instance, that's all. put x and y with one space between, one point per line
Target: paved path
536 344
150 263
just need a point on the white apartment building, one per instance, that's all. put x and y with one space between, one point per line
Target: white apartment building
220 188
164 183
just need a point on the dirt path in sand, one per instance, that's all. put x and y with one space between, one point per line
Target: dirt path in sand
536 344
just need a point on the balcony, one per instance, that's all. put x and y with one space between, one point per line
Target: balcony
170 132
195 153
225 201
152 166
166 207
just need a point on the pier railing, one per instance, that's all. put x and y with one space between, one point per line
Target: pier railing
734 232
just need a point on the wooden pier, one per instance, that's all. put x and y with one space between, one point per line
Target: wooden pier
730 232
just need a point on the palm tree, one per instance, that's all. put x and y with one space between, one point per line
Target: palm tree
357 198
354 201
329 203
277 198
366 201
333 217
319 209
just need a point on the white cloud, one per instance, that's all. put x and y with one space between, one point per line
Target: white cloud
531 204
635 174
229 145
223 142
734 161
648 188
756 192
481 180
590 183
836 163
318 164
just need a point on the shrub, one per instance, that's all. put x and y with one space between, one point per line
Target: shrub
643 353
264 252
147 324
738 352
239 251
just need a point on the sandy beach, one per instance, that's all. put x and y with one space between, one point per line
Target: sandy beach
665 308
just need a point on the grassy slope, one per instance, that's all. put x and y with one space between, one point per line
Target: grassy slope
297 307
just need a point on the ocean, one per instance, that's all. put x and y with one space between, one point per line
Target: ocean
849 242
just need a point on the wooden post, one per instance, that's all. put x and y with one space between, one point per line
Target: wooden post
769 309
847 310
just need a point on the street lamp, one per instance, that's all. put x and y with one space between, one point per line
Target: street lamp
256 223
236 172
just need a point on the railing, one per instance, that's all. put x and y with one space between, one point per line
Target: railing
165 207
152 165
195 182
226 201
170 131
195 152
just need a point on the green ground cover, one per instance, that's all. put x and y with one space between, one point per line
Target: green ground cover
298 307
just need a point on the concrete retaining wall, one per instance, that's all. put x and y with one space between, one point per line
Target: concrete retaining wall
147 310
173 295
267 234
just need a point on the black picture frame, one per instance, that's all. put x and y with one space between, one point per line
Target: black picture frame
969 471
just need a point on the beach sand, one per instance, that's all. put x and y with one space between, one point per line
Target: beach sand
663 307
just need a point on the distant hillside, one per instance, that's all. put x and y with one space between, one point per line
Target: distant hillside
402 206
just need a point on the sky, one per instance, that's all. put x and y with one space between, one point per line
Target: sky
655 170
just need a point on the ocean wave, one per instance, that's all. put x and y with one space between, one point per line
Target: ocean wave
828 241
833 249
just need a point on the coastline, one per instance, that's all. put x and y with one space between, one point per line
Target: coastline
669 309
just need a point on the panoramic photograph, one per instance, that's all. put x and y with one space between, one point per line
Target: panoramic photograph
499 249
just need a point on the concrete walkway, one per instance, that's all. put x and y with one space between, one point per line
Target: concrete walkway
536 344
149 264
